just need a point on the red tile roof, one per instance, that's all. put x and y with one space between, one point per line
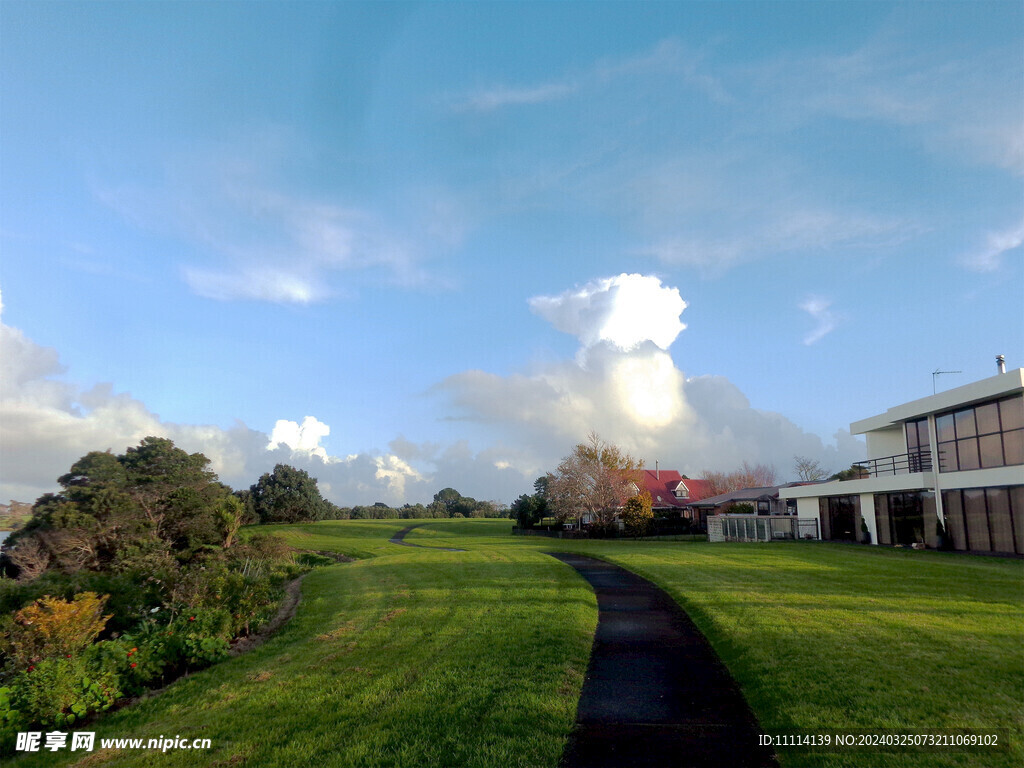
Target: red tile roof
662 484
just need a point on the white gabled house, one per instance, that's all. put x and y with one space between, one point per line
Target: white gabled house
957 456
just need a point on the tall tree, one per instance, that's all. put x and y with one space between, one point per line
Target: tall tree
747 476
808 470
595 479
144 510
287 495
449 498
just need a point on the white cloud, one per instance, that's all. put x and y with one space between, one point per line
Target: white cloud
48 423
500 96
258 241
819 309
303 437
634 395
625 311
990 257
669 58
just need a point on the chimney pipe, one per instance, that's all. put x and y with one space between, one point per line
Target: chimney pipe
1001 363
657 472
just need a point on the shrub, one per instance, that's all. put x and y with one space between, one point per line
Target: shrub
52 627
60 691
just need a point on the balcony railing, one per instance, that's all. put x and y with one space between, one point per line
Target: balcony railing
900 464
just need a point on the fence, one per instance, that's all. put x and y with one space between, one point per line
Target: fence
753 528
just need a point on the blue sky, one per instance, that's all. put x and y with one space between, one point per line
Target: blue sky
459 236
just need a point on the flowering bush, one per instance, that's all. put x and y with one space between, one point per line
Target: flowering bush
52 627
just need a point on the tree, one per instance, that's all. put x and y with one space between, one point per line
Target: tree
449 499
855 472
808 470
288 495
595 479
136 513
747 476
637 513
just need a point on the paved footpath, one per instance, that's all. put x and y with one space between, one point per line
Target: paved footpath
399 538
655 693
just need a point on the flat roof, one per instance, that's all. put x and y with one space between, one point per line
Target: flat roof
994 386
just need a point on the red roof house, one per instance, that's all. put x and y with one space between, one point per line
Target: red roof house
671 491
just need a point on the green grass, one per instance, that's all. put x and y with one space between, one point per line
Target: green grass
419 657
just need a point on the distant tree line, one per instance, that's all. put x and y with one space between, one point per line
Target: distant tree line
290 495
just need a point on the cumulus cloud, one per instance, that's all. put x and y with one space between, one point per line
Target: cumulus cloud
626 311
628 388
48 423
819 309
303 437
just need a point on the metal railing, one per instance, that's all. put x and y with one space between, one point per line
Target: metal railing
900 464
761 528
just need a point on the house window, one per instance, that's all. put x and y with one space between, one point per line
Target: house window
985 519
918 445
764 507
839 517
906 518
682 492
986 435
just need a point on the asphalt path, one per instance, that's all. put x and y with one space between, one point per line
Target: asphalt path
399 538
655 693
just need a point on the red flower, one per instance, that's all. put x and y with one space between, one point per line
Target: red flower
134 664
134 650
191 618
31 668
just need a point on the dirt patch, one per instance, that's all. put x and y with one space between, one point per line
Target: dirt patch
261 677
392 614
96 758
343 652
285 613
338 632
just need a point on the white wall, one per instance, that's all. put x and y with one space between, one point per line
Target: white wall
891 441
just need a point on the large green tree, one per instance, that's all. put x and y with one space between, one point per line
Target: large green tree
137 512
288 495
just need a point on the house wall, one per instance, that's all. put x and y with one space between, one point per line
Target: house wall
890 441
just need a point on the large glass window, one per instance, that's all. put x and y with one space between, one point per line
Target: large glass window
985 519
985 435
906 518
918 445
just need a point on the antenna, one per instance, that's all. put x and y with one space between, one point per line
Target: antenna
937 372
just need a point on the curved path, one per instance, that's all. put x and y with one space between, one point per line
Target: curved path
399 538
655 693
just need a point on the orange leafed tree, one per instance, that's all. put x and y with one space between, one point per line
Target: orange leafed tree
595 479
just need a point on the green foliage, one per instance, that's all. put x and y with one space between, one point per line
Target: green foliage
742 508
60 691
10 718
528 510
131 513
855 472
287 495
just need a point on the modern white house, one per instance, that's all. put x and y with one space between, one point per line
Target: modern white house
956 456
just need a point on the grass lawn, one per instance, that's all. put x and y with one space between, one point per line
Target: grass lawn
417 657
